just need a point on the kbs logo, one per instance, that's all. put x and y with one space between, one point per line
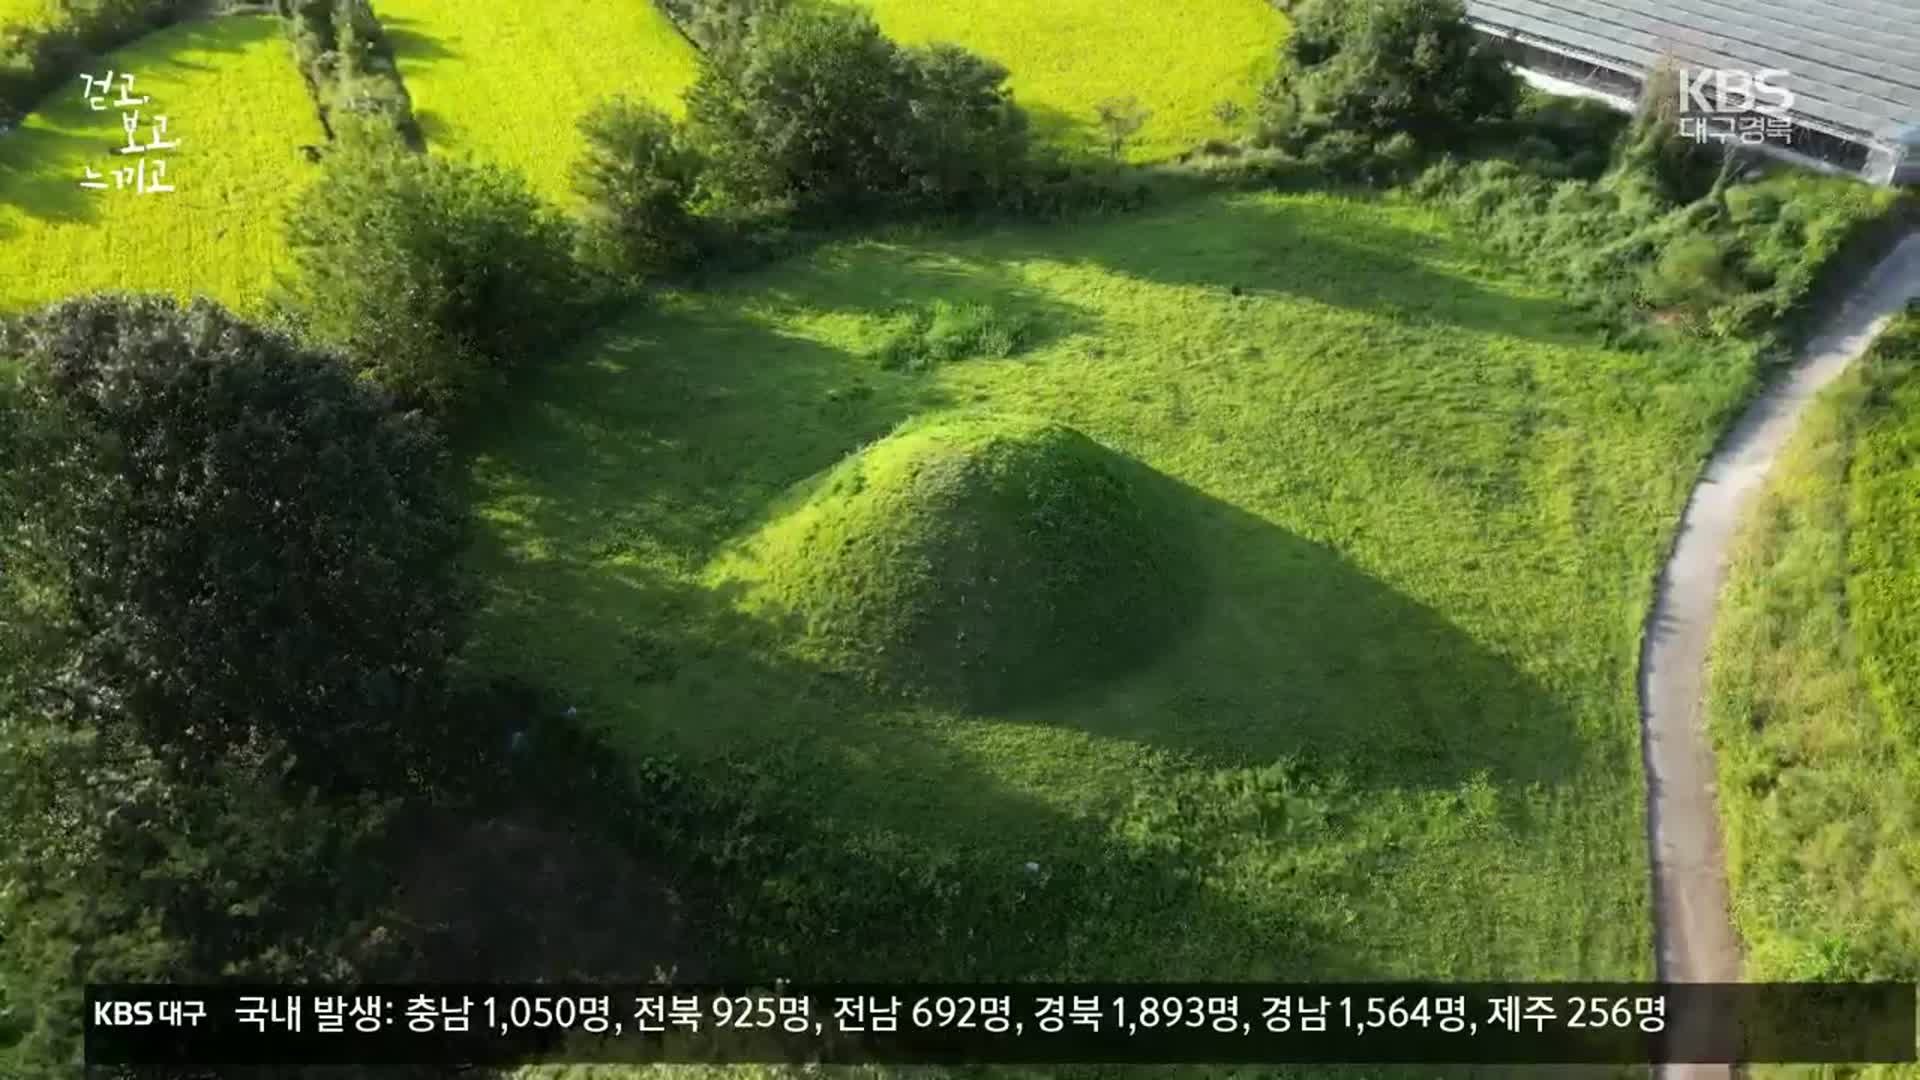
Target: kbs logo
1735 91
122 1013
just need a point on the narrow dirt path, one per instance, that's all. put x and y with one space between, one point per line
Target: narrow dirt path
1693 933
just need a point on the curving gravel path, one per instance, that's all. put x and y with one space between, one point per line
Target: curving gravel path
1693 933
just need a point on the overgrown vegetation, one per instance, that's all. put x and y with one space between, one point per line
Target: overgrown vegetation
1663 233
39 54
945 331
437 277
1883 589
350 69
1816 752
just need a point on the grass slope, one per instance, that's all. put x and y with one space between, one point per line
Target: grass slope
507 81
1179 59
238 107
1399 737
1817 781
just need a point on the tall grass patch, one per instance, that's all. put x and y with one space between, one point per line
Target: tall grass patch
945 331
1816 761
1884 543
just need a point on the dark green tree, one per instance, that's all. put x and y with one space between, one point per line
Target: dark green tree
818 108
239 541
1377 68
968 138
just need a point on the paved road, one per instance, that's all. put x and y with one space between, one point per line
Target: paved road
1693 935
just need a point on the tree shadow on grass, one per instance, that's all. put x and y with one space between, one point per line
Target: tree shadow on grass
680 425
435 127
41 170
412 43
223 34
1336 251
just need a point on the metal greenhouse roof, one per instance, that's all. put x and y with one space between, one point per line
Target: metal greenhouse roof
1853 65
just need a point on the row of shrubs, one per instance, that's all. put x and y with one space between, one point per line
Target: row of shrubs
349 68
36 58
439 276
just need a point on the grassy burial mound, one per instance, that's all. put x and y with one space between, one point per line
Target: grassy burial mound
1179 60
1811 689
1399 736
975 561
240 114
508 81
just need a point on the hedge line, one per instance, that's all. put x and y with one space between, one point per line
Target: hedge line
349 66
36 59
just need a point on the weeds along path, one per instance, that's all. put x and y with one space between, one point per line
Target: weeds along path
1693 934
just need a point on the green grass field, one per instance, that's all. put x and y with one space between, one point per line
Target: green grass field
236 104
1399 735
508 85
1818 779
1179 59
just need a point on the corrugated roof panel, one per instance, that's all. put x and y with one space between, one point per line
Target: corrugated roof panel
1850 63
1876 64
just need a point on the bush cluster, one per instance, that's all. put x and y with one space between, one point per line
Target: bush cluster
37 58
637 179
350 69
436 277
818 108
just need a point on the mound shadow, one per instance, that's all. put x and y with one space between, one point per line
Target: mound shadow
1291 651
830 838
